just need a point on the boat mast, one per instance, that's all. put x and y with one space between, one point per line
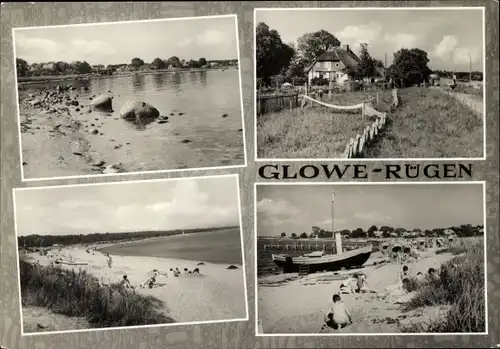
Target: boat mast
338 238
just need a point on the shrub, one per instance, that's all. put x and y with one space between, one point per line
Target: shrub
80 294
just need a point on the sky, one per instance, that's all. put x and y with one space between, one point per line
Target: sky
142 206
446 35
211 38
296 208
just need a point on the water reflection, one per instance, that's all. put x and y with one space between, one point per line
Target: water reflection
176 82
138 82
158 81
203 78
139 123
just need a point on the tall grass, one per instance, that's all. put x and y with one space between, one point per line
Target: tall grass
314 131
80 294
430 124
461 285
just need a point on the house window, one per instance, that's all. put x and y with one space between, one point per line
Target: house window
336 64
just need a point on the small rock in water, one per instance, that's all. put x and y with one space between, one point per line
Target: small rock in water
74 102
114 168
117 146
225 115
201 263
186 141
171 114
89 111
240 130
162 121
137 110
94 131
232 267
24 163
77 109
181 113
102 102
101 134
92 124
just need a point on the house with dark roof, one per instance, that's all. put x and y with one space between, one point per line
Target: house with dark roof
334 64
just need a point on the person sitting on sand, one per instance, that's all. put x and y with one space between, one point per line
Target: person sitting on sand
420 276
337 316
362 285
149 282
404 276
346 286
432 274
125 282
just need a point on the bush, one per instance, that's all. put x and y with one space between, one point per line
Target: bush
318 81
80 294
460 284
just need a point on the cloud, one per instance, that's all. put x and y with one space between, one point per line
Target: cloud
401 40
185 42
184 206
42 49
372 217
448 49
279 212
211 38
365 33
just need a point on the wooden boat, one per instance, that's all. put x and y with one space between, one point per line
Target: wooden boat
319 261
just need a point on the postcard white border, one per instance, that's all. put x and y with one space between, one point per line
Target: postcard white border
333 184
235 176
262 9
242 111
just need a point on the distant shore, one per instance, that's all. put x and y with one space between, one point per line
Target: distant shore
53 78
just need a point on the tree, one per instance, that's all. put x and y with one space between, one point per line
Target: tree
311 45
372 229
174 61
272 55
158 63
358 233
409 66
193 64
81 67
385 228
303 235
22 67
202 61
366 65
294 236
61 67
386 234
137 62
283 234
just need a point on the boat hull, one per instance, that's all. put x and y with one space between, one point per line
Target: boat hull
346 260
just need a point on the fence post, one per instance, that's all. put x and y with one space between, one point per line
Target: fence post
377 99
290 104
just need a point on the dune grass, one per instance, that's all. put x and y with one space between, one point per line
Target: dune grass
429 124
461 285
315 131
80 294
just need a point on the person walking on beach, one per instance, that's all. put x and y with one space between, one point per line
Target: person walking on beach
337 316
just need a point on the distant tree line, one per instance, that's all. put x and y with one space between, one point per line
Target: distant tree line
461 76
278 62
24 69
36 240
465 230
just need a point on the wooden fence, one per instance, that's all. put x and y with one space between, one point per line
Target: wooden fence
270 104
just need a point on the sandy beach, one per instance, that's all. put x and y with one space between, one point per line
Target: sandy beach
289 304
216 294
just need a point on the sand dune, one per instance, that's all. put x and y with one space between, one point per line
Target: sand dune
216 294
298 306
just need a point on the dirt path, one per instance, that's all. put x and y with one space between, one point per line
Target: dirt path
471 101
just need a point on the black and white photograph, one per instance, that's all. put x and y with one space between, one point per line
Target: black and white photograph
142 253
370 258
129 97
370 83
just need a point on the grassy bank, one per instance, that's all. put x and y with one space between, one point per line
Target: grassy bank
461 285
80 295
430 124
315 131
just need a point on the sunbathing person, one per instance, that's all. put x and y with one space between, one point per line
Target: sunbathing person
337 316
346 286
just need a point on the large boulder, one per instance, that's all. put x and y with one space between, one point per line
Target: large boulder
136 110
102 102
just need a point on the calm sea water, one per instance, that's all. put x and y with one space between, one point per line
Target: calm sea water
215 247
202 96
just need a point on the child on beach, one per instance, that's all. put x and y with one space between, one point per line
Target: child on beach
125 282
337 316
362 285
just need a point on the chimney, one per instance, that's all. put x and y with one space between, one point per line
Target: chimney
345 47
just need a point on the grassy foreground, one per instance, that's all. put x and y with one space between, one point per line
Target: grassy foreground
430 124
80 294
315 131
461 285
